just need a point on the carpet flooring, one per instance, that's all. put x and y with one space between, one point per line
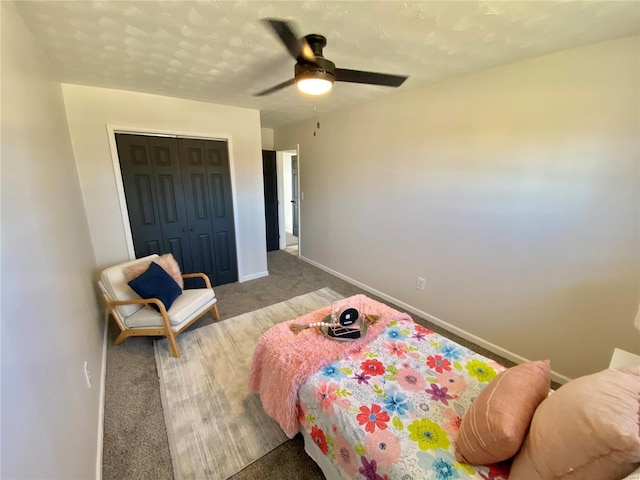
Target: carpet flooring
205 395
135 436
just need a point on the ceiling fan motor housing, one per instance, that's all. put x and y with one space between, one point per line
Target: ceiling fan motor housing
322 68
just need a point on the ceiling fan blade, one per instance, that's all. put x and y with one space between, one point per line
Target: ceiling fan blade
369 78
297 47
275 88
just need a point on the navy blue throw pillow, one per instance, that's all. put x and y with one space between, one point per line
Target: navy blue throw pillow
156 283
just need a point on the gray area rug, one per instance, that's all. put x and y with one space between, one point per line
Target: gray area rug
216 427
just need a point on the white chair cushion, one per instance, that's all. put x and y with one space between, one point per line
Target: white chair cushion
115 284
191 303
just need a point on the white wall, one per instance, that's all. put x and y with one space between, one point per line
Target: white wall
90 110
514 191
50 320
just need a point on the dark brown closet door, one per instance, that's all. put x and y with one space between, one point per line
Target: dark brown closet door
152 179
207 188
270 180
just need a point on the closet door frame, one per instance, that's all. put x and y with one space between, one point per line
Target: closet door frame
115 160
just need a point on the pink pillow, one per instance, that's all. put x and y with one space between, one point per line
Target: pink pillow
588 429
495 425
166 261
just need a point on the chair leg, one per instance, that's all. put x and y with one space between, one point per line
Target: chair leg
121 338
214 311
173 344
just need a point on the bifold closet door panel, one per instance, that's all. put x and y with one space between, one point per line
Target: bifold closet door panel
172 208
152 180
224 237
207 185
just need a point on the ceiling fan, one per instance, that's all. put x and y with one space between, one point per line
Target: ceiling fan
314 74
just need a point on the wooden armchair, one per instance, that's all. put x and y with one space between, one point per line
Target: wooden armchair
135 317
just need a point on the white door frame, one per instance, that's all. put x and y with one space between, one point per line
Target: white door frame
281 196
124 212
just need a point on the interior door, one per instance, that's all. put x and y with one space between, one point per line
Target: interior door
270 180
294 194
155 200
207 186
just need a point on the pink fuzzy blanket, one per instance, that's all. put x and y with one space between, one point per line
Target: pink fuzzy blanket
283 360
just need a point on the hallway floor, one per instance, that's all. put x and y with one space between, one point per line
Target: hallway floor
292 244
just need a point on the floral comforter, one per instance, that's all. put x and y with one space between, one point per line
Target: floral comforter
392 410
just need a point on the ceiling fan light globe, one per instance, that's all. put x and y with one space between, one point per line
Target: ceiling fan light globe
314 86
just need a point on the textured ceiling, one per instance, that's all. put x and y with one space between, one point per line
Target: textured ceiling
219 51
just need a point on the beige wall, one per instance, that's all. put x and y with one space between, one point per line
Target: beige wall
50 320
514 191
90 110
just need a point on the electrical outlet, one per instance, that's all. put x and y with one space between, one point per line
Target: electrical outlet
87 374
421 283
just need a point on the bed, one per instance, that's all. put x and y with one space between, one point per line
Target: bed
390 405
386 406
394 407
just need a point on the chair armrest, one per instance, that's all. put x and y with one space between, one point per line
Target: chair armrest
137 301
207 282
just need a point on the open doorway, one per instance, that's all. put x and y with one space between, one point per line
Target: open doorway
290 205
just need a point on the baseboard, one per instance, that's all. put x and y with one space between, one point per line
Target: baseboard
254 276
103 384
441 323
